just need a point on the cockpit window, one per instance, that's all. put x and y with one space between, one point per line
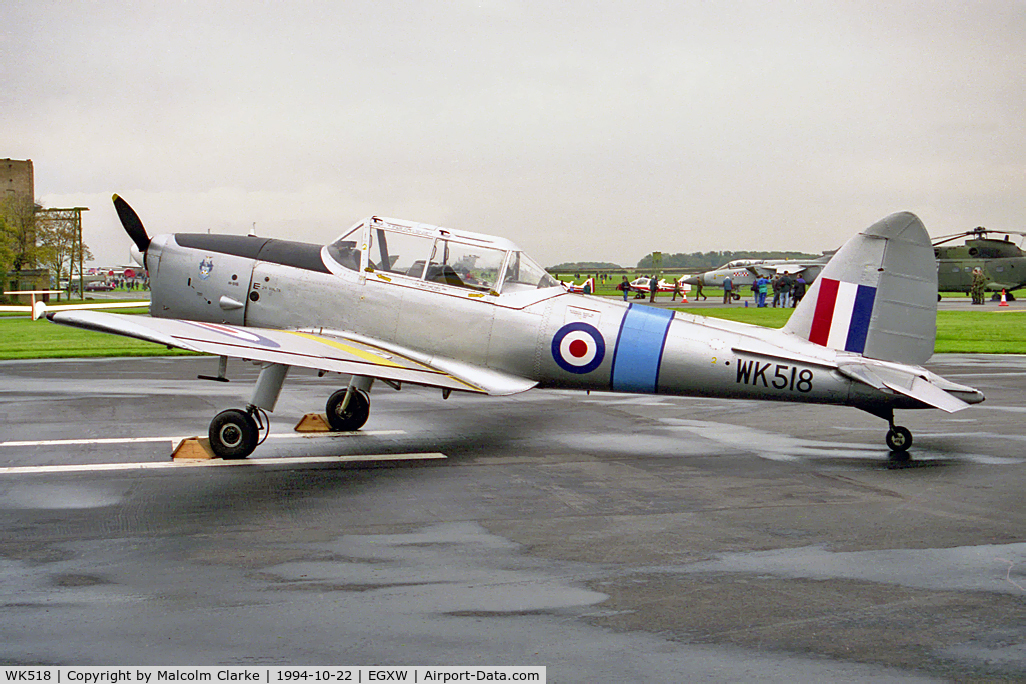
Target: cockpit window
443 258
522 273
399 252
345 250
465 265
435 259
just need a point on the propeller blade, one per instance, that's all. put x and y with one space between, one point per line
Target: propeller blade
980 232
133 226
948 238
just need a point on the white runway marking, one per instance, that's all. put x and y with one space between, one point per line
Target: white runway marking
217 463
139 440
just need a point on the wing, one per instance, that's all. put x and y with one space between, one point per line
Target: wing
39 309
776 269
332 351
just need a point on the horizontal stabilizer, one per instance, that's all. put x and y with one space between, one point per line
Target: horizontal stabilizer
902 382
928 393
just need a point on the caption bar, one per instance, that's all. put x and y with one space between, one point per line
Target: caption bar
270 675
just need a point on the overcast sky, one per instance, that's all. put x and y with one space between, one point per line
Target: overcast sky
580 130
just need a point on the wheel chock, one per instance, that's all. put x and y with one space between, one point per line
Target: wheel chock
313 422
193 448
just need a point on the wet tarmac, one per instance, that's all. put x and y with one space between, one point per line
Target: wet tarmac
608 537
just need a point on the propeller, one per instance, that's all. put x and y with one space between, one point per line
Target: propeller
133 226
980 232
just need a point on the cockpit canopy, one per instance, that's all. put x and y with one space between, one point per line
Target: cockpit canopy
737 263
433 254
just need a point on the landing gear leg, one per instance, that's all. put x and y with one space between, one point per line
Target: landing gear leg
349 409
236 433
898 438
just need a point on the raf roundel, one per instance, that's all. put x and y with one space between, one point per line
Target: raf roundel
578 348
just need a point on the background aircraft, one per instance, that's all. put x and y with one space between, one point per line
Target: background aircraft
406 302
38 309
1002 261
743 272
586 287
643 284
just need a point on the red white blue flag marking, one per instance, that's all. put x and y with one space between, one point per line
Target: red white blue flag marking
236 333
843 312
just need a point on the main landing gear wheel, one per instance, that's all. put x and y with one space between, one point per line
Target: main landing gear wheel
355 415
899 438
234 434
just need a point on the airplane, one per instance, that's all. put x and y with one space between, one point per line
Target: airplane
643 285
587 287
744 272
386 301
1002 261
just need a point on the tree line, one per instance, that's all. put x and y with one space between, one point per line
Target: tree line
693 261
706 261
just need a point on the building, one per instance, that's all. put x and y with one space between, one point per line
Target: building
17 179
17 201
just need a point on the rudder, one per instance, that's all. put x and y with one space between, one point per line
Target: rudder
877 296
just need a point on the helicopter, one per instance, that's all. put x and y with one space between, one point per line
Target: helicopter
1001 260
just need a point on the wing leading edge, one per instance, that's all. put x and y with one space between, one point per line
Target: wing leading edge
332 351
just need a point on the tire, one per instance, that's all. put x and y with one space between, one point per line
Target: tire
899 439
233 434
353 417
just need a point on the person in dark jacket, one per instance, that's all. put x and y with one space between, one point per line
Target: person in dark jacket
798 291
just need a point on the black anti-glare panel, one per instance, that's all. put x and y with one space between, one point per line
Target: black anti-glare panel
285 252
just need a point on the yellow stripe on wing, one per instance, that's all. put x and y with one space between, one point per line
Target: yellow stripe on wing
380 360
370 356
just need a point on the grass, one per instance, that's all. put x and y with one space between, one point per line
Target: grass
963 332
973 332
767 317
23 338
981 332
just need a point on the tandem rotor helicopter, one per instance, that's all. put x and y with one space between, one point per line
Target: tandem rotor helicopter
409 303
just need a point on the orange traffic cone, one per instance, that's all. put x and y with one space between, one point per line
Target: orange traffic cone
1004 300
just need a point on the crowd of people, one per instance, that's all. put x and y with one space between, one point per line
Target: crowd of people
130 283
787 290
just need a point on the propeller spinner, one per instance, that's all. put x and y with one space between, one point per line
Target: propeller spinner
133 226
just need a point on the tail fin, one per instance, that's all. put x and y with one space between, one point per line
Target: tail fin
877 296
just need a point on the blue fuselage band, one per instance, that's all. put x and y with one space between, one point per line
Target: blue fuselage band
639 349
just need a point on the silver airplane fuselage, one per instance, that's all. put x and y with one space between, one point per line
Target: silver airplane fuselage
407 302
559 339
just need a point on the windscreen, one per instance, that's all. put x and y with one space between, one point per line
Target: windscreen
523 273
344 250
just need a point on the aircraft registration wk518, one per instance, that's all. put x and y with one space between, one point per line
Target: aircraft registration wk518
405 302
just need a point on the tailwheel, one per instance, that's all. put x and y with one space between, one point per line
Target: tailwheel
234 433
899 438
355 413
